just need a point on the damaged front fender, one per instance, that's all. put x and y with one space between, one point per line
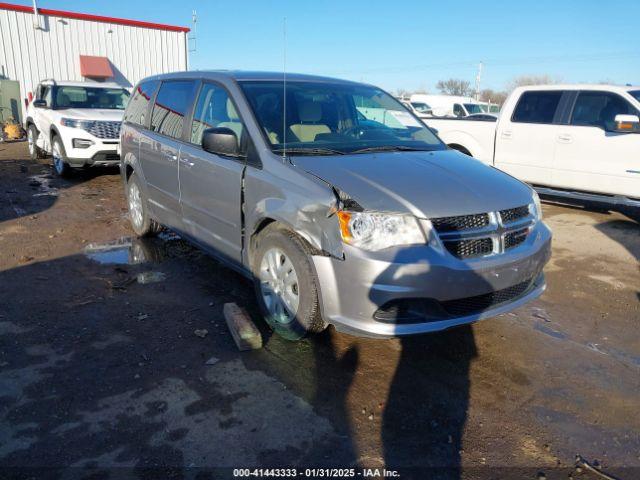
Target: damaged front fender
307 206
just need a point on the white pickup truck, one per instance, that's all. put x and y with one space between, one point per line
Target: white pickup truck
575 141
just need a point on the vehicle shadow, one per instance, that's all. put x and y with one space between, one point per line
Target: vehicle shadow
627 234
426 410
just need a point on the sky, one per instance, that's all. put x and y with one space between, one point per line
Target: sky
398 44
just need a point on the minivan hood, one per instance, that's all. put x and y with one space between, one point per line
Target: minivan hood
105 114
426 184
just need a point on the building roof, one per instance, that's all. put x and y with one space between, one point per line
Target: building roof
92 18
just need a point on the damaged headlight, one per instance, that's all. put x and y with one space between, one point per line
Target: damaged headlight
376 231
535 208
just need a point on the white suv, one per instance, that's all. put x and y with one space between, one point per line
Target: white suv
77 123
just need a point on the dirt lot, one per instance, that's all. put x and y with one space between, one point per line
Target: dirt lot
100 368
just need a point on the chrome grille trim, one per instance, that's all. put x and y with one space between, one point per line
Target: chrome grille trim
504 229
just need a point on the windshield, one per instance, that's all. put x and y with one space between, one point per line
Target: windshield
473 108
635 94
332 118
421 107
90 97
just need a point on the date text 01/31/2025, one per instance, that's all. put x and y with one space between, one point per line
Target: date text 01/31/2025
315 473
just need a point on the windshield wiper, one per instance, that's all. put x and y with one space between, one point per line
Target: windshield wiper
389 148
308 151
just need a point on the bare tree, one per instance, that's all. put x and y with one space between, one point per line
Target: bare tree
492 96
454 86
527 80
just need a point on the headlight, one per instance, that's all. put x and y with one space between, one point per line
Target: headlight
376 231
535 208
74 123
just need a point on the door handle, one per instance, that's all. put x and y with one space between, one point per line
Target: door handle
186 162
565 138
506 134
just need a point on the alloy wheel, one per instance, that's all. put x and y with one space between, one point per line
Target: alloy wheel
135 206
58 162
30 141
279 285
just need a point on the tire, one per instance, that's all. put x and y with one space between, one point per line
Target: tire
32 136
292 309
59 158
141 222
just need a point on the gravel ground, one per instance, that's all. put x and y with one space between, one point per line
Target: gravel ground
102 376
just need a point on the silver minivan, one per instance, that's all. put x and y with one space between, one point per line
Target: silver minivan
337 201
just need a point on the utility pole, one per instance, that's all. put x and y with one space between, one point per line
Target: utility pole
478 79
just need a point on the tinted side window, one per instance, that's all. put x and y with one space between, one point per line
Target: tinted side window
537 107
214 109
599 109
137 106
457 110
172 102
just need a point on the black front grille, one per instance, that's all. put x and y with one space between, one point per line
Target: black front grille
469 248
513 239
480 303
514 214
421 310
106 157
462 222
105 129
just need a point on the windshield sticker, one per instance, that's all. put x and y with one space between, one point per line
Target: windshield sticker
405 118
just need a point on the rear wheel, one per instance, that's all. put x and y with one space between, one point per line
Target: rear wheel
285 284
59 156
141 222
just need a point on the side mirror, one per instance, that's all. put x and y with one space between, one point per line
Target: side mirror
221 141
40 103
627 124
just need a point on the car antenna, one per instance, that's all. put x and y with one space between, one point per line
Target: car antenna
284 88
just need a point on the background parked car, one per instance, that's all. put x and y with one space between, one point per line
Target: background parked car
77 123
573 141
449 105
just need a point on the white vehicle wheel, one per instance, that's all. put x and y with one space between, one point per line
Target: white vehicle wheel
279 285
61 167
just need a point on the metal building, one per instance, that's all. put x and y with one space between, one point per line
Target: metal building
76 46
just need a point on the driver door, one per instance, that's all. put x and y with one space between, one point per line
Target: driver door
589 156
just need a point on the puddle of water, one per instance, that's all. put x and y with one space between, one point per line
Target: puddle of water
541 327
150 277
44 187
125 251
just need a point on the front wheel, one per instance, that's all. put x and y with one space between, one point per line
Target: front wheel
285 284
60 164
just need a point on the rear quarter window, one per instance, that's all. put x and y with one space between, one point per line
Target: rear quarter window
537 107
139 103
